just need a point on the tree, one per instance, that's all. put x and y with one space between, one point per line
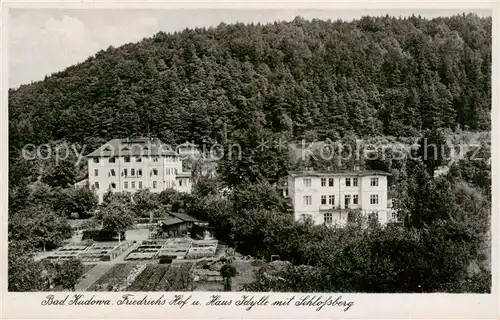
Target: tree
167 196
75 201
67 273
39 226
227 271
115 216
24 274
434 150
61 174
145 202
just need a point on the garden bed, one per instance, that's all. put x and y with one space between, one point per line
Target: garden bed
161 277
178 278
149 278
114 278
103 251
201 249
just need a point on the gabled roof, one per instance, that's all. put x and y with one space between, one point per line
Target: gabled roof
133 147
185 217
172 221
341 173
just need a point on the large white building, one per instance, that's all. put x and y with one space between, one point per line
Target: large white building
328 197
133 164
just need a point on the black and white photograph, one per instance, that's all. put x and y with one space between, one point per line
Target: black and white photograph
249 150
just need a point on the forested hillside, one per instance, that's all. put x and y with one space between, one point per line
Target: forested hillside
398 81
312 79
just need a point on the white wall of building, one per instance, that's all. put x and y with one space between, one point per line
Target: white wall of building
155 173
325 197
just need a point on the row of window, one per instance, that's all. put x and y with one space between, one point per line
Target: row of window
169 184
355 181
126 185
134 172
347 199
328 217
137 159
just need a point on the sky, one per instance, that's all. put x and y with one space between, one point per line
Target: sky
44 41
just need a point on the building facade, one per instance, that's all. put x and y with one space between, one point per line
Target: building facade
133 164
328 197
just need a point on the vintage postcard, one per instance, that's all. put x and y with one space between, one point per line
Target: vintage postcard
250 160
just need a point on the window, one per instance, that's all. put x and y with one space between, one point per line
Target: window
96 185
133 184
113 173
112 160
155 172
113 185
139 172
347 182
140 184
373 182
125 172
168 171
307 182
347 200
331 200
175 170
330 182
132 172
155 159
394 216
138 159
127 159
96 172
355 199
96 160
328 217
307 200
374 199
355 182
180 182
154 184
125 185
323 182
323 199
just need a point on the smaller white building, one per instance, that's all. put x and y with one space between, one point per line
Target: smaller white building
188 150
328 197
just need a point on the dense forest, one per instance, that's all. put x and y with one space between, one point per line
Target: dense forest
312 79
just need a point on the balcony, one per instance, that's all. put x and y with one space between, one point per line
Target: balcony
323 207
329 207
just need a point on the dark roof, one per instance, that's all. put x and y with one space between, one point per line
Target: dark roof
172 221
133 147
360 173
185 217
